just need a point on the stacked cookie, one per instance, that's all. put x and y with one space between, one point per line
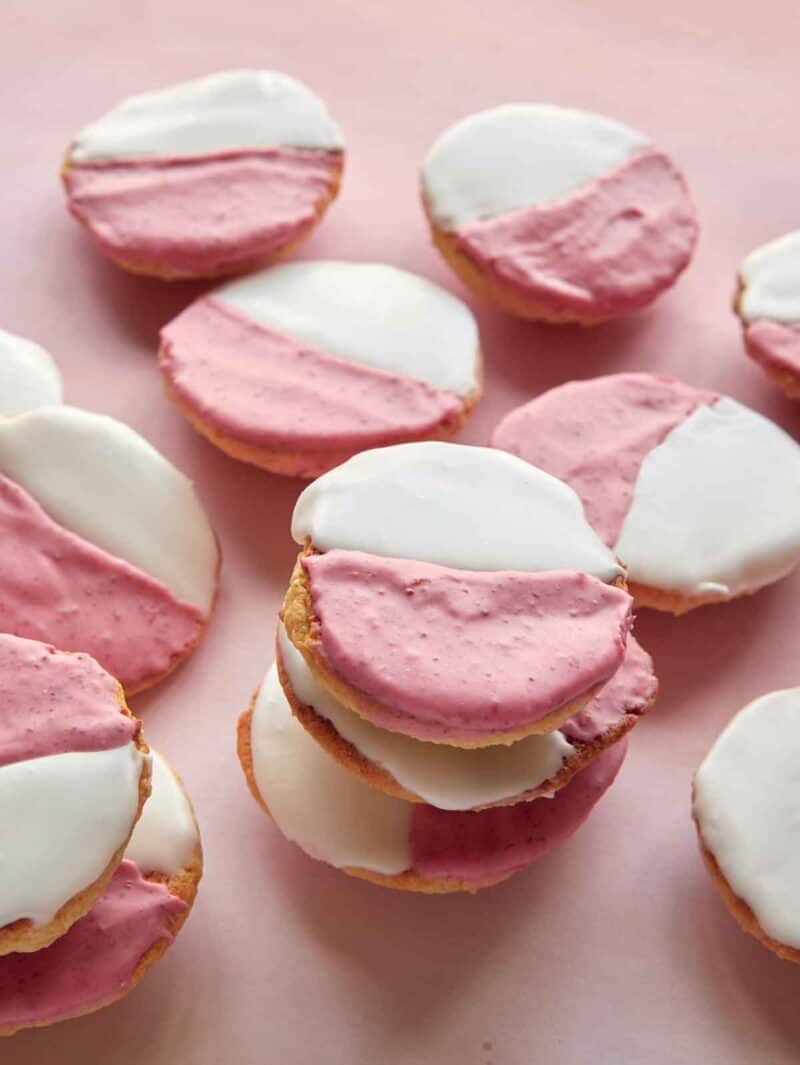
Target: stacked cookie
101 854
454 670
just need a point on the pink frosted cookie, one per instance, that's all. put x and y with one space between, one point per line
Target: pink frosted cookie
130 926
698 495
206 177
299 366
29 377
74 775
453 594
451 778
104 546
338 819
768 303
557 214
745 801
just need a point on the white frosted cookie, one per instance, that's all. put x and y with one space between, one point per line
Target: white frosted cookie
29 377
104 954
556 213
745 800
697 494
297 367
74 774
768 303
138 560
205 177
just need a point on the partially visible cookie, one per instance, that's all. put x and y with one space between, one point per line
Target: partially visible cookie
297 367
207 177
29 377
558 214
745 801
74 776
338 819
105 954
768 302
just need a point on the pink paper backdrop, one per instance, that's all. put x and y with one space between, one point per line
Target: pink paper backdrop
616 949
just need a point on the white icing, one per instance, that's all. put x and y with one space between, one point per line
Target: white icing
62 818
101 480
443 776
747 798
316 803
716 506
517 155
472 508
29 377
165 837
232 109
369 313
771 278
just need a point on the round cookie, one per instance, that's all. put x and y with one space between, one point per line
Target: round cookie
453 594
105 954
104 546
337 818
745 798
698 495
207 177
74 775
451 778
768 302
299 366
557 214
29 377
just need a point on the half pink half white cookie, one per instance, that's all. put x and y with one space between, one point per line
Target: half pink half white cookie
556 213
297 367
104 546
205 177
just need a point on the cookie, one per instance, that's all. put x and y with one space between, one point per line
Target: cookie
557 214
104 546
453 594
74 774
207 177
337 818
745 799
698 495
105 954
29 377
451 778
298 367
768 302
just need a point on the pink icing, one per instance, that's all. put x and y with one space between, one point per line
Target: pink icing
608 248
258 386
481 845
774 345
58 587
629 692
595 435
202 214
461 653
54 703
93 963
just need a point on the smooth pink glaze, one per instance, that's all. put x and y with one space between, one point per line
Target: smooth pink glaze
53 703
480 845
56 586
630 691
774 345
263 388
610 247
595 435
201 214
93 963
460 653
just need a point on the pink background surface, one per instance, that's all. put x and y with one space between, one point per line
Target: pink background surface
616 949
